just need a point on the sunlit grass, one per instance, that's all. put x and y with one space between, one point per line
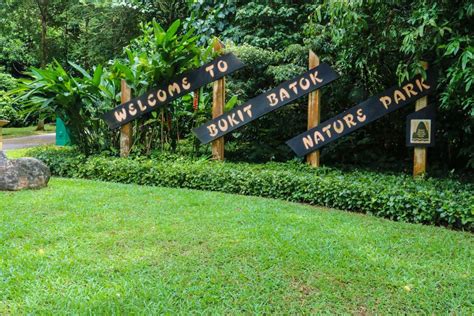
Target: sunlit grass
17 153
91 247
11 132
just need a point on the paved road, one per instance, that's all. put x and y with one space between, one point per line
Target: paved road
29 141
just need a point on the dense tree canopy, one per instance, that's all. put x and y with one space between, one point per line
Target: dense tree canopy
397 35
373 45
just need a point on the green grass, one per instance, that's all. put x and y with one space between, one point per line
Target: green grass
17 153
12 132
91 247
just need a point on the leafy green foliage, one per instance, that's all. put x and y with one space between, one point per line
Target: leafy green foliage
211 18
9 109
375 44
264 139
77 100
7 112
7 82
398 197
275 24
80 100
158 55
19 37
164 11
372 45
86 32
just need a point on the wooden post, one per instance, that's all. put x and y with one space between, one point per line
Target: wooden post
314 111
125 130
218 102
420 153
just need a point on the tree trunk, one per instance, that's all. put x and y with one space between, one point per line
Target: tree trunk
43 41
43 8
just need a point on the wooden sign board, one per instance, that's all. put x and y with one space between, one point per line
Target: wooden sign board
421 128
362 114
265 103
165 93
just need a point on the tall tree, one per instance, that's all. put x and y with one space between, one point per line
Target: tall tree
43 10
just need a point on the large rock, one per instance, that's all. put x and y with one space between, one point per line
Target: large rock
23 173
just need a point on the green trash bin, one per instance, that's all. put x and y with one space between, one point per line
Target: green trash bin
62 134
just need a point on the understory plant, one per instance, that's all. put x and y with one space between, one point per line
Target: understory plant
78 100
80 97
152 59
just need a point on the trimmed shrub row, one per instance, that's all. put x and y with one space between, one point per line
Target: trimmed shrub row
398 197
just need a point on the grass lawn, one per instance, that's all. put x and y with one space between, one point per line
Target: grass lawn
11 132
91 247
17 153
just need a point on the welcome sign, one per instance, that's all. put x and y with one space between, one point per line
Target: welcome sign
265 103
360 115
164 94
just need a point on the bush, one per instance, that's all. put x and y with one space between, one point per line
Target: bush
7 112
7 82
8 107
397 197
80 97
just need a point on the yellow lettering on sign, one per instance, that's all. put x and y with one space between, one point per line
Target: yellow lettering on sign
327 130
174 87
284 94
408 88
132 110
308 142
314 78
386 100
293 87
248 110
161 95
210 70
361 117
223 126
240 114
141 106
151 100
186 85
421 84
121 115
232 120
304 83
212 130
339 129
349 119
272 99
318 137
222 66
398 96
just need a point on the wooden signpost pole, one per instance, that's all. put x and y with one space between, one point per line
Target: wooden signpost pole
314 111
125 130
218 102
420 153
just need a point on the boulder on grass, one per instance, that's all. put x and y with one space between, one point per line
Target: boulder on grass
23 173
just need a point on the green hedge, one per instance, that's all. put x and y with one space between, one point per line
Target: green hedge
397 197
